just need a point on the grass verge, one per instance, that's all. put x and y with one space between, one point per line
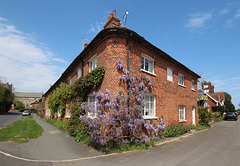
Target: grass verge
28 117
59 124
21 131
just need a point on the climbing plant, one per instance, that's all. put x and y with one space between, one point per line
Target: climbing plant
77 92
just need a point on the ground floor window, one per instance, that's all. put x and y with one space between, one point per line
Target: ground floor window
68 111
181 110
149 106
92 102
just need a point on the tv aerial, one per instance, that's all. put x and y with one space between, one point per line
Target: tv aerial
125 16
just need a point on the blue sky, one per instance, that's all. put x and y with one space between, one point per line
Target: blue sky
39 39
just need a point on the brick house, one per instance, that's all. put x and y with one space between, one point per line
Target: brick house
208 98
174 95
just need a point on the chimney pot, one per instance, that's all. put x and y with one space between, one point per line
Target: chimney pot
111 15
85 45
114 13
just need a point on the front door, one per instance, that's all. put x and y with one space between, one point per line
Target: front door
193 116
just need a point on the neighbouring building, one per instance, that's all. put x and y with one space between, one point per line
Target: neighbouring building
208 98
174 95
27 98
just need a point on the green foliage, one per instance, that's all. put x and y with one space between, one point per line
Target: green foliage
218 109
78 91
19 106
204 116
39 115
33 110
229 107
81 88
74 123
59 124
41 104
6 98
21 131
128 147
175 129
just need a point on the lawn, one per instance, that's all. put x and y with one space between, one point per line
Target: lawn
21 131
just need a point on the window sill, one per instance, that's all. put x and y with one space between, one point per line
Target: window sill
193 90
145 71
182 121
150 117
67 116
182 85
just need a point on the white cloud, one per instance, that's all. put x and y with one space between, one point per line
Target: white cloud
97 27
198 20
26 63
224 11
237 14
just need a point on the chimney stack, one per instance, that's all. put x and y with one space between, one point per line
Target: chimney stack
113 21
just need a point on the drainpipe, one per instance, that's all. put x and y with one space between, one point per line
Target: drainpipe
82 66
128 68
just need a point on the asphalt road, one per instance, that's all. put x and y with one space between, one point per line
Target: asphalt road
218 146
9 118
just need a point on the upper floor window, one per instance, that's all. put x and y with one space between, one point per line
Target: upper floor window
192 85
180 79
147 64
181 111
169 74
149 106
92 102
79 73
92 63
69 81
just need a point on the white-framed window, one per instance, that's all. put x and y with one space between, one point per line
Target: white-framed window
169 74
147 64
69 81
48 112
92 101
58 111
92 63
68 111
180 79
149 106
79 73
192 85
181 112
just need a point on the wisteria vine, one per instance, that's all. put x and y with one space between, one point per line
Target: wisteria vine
120 120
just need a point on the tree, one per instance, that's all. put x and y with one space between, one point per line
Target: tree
18 105
229 107
6 98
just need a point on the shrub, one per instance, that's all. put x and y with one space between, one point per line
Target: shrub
204 116
74 123
218 109
39 115
175 129
33 110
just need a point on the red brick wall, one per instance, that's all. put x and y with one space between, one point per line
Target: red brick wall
169 95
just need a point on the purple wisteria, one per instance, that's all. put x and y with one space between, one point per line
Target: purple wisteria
120 120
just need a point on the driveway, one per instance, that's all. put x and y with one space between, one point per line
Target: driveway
54 144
